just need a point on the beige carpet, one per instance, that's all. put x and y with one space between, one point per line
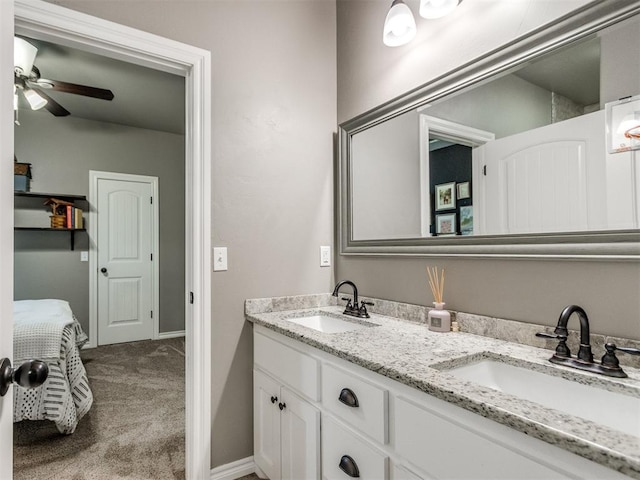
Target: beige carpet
134 430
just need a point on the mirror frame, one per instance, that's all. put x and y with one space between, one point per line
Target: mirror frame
603 245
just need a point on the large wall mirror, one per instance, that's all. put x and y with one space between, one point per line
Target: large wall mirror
505 156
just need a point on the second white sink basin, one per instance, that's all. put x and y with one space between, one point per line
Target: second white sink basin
615 410
327 324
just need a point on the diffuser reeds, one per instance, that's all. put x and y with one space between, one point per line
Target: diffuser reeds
436 282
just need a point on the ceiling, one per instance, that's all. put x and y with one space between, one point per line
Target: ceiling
143 97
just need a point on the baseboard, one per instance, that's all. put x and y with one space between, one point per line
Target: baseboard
234 470
177 333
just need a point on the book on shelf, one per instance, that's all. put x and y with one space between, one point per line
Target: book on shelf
73 217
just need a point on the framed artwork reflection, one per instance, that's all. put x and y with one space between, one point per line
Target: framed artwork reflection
466 220
446 196
446 224
463 190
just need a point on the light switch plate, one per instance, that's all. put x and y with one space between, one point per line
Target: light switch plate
219 259
325 256
84 256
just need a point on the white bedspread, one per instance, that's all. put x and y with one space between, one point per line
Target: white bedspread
47 330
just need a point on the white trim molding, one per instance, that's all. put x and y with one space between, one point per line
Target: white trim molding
46 21
175 334
233 470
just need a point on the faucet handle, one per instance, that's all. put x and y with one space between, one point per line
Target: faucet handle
363 308
561 350
348 300
562 338
609 359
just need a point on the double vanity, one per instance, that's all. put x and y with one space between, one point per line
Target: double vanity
339 396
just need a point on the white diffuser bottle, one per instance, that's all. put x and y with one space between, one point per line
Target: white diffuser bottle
439 318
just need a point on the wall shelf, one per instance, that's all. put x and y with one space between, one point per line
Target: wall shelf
61 196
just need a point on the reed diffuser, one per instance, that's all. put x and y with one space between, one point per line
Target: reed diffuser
439 319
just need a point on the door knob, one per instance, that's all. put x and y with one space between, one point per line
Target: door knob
103 270
30 374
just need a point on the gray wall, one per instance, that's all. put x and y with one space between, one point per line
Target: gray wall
530 291
274 118
62 150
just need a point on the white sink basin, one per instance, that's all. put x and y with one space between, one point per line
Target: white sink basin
615 410
327 324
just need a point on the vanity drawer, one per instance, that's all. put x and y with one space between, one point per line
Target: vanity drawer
294 368
341 446
370 416
445 448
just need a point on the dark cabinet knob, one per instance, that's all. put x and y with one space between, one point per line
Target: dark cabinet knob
349 466
103 270
348 398
30 374
274 399
282 406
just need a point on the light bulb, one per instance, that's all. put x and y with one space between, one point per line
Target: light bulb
35 100
399 26
437 8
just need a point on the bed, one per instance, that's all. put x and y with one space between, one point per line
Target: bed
47 330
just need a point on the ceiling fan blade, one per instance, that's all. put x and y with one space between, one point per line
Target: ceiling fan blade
54 107
75 89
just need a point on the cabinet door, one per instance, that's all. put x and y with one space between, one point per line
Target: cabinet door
300 440
266 424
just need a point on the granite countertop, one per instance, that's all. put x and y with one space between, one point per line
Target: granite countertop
408 352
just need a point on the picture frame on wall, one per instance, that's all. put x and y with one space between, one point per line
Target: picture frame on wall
446 224
623 124
466 220
446 196
464 190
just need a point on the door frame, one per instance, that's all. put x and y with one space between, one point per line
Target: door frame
94 177
53 23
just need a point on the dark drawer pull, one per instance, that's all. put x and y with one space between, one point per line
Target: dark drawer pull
348 465
348 398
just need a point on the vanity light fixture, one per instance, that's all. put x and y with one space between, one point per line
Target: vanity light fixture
437 8
399 26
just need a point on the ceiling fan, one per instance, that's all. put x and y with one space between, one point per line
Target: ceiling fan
27 80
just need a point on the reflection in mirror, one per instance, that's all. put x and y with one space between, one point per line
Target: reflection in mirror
522 152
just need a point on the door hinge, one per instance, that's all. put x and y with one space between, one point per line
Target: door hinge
152 257
151 200
190 297
484 170
151 313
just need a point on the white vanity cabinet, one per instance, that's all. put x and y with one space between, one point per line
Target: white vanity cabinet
378 428
286 426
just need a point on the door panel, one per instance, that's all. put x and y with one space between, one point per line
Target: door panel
266 418
6 230
125 293
300 429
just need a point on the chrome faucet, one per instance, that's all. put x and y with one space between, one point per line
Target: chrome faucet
352 308
609 365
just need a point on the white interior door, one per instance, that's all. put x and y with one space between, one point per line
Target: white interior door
125 238
6 231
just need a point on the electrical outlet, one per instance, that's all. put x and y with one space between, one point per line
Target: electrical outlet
84 256
325 256
219 259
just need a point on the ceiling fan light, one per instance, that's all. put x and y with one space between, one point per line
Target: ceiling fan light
437 8
24 54
35 100
399 26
